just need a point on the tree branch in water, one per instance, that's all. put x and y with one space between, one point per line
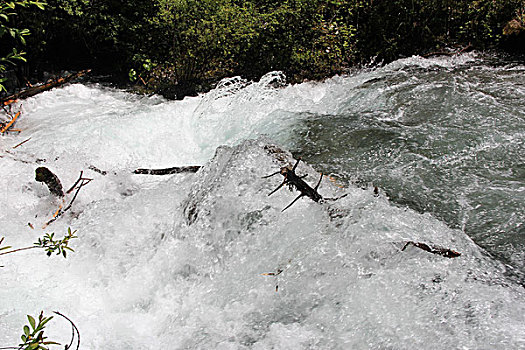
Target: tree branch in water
168 171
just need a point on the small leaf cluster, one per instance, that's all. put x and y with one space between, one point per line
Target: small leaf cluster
7 12
51 245
33 337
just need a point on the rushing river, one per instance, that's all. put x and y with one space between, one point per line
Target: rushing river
209 261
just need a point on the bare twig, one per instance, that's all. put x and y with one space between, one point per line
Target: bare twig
83 182
9 124
74 330
21 143
18 250
76 183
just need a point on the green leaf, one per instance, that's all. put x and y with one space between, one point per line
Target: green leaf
46 320
26 330
40 5
31 321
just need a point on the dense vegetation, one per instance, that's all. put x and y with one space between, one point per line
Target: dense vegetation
180 47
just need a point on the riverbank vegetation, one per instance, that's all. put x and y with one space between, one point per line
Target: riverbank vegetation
182 47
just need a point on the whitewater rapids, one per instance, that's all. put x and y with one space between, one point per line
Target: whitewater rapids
186 261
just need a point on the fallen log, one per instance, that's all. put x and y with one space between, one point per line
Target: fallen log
168 171
34 90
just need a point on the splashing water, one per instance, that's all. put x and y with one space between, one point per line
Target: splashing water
186 261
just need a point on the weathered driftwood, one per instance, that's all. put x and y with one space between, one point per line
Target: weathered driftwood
34 90
447 253
43 174
168 171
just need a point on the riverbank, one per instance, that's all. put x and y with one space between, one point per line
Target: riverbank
181 48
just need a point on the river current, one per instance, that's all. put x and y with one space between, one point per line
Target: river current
209 261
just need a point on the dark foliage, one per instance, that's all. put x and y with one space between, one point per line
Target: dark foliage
181 47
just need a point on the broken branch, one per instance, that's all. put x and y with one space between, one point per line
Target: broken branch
297 182
9 124
21 143
34 90
83 181
447 253
168 171
76 183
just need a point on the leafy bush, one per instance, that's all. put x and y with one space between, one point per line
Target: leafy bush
16 35
33 338
181 47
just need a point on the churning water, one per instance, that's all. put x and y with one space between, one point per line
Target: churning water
209 261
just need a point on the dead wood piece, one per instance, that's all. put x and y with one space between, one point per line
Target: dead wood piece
277 273
34 90
447 253
4 127
43 174
168 171
97 170
294 181
21 143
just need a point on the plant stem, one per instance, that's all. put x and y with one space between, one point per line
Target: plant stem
19 249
